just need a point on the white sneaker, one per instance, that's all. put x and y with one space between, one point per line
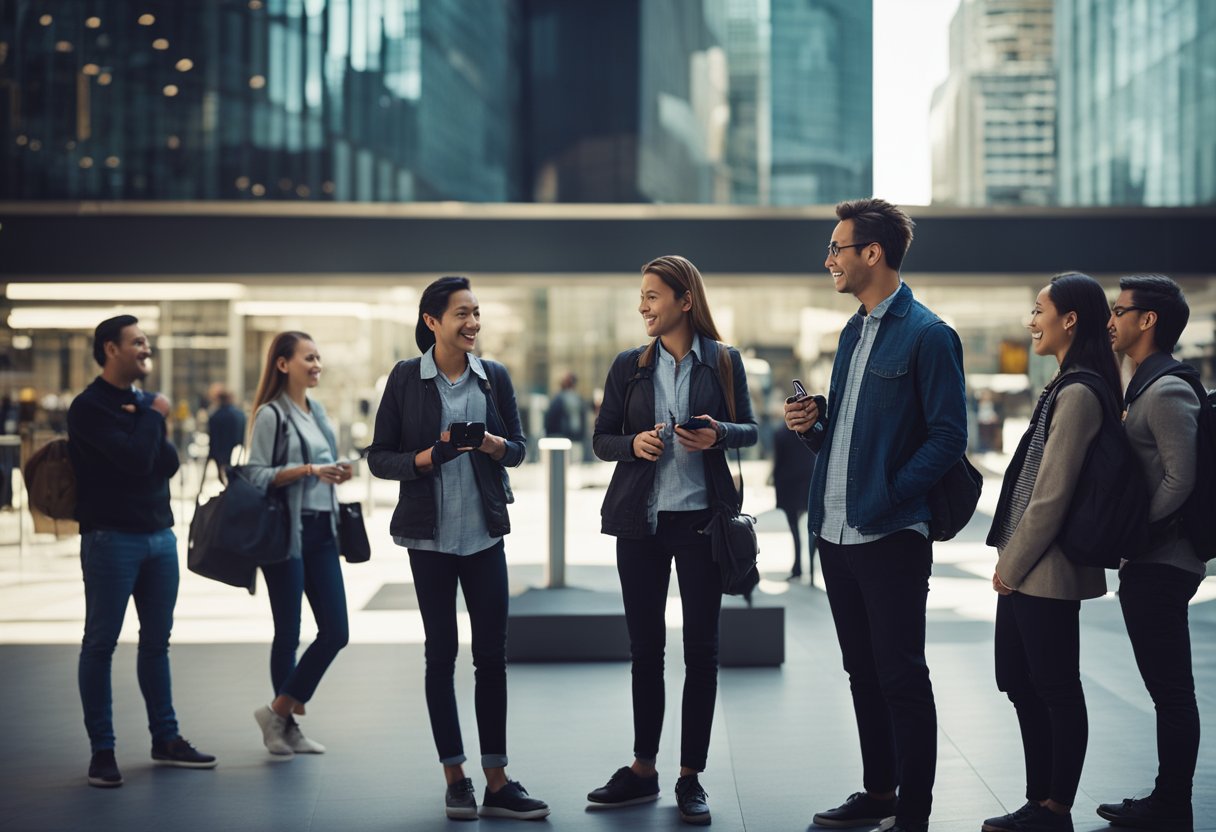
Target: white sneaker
274 731
299 743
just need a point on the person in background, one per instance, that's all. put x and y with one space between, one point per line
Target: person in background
123 463
1155 588
792 481
451 516
225 431
285 415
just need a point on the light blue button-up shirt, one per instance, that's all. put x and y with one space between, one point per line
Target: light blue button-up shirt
679 483
462 519
835 528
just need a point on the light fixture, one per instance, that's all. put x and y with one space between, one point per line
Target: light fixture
185 65
35 145
303 191
22 342
170 90
303 309
104 79
23 140
93 23
84 318
173 142
91 69
46 20
146 19
257 82
259 189
242 182
124 291
63 46
112 162
85 162
160 44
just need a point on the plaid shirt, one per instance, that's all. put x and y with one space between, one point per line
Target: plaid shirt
836 528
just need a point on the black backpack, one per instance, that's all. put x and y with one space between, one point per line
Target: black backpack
1197 517
1107 520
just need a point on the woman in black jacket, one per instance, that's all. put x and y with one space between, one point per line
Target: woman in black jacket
451 516
670 410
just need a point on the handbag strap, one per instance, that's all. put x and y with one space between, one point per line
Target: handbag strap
726 379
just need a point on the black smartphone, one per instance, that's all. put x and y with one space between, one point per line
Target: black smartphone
695 423
799 393
467 434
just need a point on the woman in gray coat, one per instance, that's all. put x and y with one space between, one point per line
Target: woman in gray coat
293 447
1040 590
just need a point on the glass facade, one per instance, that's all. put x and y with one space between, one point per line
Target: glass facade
993 119
368 100
1137 107
822 100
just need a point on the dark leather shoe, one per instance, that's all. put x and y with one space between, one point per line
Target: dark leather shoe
858 810
1148 813
692 800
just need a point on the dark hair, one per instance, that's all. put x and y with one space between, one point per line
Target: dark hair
683 278
878 221
1091 349
110 330
273 381
1158 293
434 302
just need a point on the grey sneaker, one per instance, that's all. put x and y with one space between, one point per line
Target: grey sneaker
460 802
274 731
299 743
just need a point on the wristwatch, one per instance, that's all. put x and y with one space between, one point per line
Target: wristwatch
721 431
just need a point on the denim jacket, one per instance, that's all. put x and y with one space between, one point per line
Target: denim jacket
911 422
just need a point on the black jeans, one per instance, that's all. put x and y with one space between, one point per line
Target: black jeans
877 592
644 566
1038 666
483 579
1154 598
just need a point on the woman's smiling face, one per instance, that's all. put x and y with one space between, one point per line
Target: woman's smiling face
661 310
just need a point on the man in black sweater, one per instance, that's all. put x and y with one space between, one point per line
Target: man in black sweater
123 464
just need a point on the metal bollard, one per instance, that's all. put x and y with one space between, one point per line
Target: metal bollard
556 449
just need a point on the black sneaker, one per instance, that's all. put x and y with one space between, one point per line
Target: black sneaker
858 810
692 800
460 802
1030 818
512 801
1147 813
178 752
625 788
103 770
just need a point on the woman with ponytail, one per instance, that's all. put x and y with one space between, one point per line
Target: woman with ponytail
1039 589
672 408
451 516
287 419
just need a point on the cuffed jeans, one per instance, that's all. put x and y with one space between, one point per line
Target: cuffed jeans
317 574
644 566
483 579
117 566
1154 599
1038 666
877 592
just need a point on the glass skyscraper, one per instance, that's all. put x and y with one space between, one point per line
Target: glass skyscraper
1137 107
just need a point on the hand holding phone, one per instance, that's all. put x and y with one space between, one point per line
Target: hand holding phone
695 423
802 410
467 435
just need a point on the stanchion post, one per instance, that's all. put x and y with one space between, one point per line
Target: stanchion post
557 449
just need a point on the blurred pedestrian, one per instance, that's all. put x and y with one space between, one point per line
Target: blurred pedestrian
225 433
566 415
792 469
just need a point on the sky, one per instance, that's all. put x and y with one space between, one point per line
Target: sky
911 57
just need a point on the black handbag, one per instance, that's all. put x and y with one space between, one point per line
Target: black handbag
352 534
953 499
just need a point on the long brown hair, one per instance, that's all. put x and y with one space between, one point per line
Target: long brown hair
684 279
274 382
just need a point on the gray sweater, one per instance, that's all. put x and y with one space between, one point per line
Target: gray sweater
1163 425
1032 563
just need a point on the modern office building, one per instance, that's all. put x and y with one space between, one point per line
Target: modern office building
993 119
821 82
1137 91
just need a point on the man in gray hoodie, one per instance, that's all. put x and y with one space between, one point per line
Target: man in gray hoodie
1162 421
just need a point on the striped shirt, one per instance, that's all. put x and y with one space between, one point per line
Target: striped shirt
1023 488
835 527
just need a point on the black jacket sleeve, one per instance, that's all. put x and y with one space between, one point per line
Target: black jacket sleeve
608 442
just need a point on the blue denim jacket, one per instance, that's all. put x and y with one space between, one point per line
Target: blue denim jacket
911 422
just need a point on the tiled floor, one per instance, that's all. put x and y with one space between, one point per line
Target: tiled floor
784 740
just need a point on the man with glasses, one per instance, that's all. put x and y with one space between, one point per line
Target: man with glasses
1162 421
896 422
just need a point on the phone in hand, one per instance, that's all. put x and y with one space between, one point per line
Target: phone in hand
799 393
695 423
467 434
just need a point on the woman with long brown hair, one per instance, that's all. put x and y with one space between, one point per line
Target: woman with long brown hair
292 446
671 410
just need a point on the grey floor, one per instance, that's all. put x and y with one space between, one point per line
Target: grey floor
784 743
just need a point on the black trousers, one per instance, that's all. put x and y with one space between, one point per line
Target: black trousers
483 579
877 592
793 517
644 566
1154 599
1038 666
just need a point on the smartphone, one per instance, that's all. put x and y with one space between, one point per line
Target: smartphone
467 434
799 393
695 423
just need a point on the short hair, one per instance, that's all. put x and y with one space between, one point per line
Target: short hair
878 221
1158 293
110 330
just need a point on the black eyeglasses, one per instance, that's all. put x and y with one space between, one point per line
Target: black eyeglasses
834 249
1120 311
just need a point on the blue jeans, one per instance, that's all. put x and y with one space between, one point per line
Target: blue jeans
483 579
117 566
317 574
